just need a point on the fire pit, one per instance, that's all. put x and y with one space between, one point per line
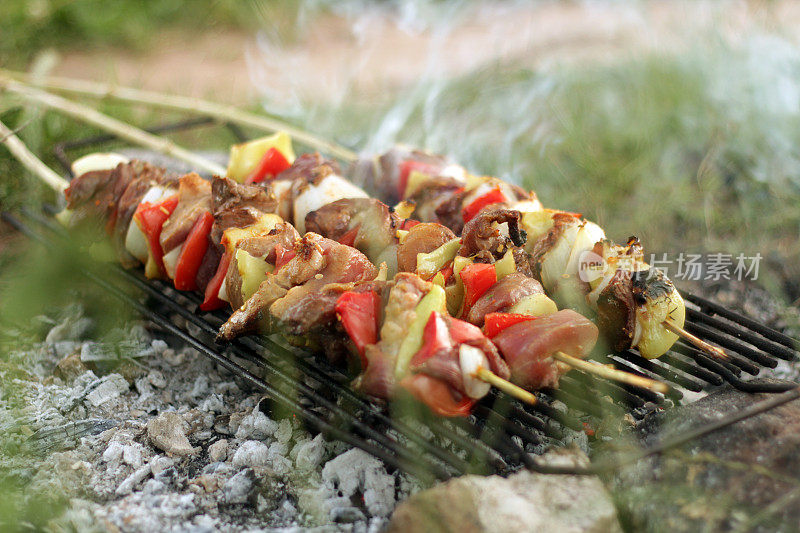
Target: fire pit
307 404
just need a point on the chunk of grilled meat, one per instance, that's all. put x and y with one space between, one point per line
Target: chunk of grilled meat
528 347
238 205
318 262
194 199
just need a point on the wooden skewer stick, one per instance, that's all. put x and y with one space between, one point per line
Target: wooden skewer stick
184 103
506 386
30 161
713 351
611 373
126 131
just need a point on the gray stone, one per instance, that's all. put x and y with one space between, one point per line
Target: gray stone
523 502
167 432
241 487
722 480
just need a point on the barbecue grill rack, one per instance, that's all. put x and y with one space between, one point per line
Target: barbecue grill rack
502 434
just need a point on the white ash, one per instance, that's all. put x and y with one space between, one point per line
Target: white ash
166 441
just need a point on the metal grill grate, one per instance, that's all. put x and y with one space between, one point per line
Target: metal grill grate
502 434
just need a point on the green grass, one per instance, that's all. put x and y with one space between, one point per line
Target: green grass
28 26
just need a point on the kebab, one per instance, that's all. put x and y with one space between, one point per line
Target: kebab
636 306
188 206
183 203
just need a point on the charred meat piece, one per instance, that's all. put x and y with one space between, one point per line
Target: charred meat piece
364 223
309 167
378 379
494 231
440 357
317 315
527 346
502 295
439 201
194 199
238 205
263 247
317 262
381 176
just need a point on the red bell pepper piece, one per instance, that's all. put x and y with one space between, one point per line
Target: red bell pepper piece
151 218
437 395
477 278
359 312
435 337
461 331
283 255
272 164
494 196
194 248
212 300
408 223
349 238
406 168
497 322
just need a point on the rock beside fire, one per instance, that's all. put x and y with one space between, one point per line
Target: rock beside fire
746 476
523 502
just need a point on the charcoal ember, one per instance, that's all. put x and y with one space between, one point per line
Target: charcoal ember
721 481
106 389
523 502
252 453
67 435
309 454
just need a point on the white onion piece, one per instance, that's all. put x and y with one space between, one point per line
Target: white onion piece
223 291
471 359
589 235
555 261
283 194
330 189
594 295
135 241
527 206
637 331
454 171
97 161
171 261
